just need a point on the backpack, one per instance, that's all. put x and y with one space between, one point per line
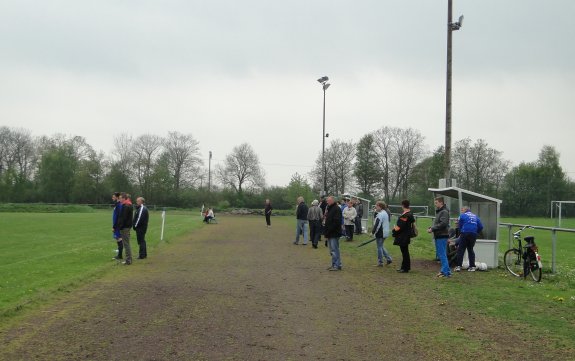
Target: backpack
414 233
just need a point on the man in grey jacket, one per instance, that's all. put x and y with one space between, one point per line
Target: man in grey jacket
440 231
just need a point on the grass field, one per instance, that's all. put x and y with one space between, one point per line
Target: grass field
540 309
44 254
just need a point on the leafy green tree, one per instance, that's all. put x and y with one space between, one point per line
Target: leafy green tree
425 175
529 188
56 172
298 186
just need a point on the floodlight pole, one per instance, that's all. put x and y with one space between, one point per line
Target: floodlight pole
451 26
323 148
324 84
447 158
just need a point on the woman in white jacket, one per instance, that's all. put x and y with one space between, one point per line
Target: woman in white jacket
349 214
381 232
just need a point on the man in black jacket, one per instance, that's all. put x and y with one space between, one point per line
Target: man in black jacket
301 219
141 226
332 231
124 224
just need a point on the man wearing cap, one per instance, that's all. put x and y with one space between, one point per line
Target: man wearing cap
314 217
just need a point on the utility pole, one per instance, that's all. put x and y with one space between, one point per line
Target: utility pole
210 173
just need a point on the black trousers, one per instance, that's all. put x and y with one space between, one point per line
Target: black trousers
120 249
141 237
349 231
268 219
406 262
358 225
314 232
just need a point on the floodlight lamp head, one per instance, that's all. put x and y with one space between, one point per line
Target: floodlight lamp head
325 86
323 79
460 22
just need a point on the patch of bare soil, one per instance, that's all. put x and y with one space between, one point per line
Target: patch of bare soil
240 291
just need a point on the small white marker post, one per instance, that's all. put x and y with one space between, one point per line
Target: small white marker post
163 222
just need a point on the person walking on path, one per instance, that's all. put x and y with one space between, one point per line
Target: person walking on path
440 229
314 217
332 231
381 232
116 231
124 224
141 226
301 218
402 232
469 226
349 215
268 212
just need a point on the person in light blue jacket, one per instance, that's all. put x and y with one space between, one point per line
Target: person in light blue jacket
381 232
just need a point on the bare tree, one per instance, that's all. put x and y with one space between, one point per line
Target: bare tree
479 167
146 150
184 159
409 149
339 160
122 154
17 152
241 169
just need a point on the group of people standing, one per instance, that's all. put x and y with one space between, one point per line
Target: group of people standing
123 220
314 217
335 220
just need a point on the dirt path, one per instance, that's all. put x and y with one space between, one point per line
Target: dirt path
240 291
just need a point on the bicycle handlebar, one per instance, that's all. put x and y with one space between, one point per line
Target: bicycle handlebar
518 233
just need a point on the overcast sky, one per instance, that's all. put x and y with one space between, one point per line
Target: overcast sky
231 71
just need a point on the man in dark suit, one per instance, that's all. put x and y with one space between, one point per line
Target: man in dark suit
141 226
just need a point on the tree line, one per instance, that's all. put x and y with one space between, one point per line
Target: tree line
389 163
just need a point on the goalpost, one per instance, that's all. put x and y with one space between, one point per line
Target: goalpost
416 210
559 206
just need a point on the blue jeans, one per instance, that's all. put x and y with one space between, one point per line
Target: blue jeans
381 251
441 247
301 229
334 251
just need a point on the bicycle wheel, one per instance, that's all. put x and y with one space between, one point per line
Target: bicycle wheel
534 269
513 262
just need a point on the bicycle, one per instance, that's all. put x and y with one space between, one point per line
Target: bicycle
524 261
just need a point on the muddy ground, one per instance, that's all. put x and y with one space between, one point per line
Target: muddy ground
240 291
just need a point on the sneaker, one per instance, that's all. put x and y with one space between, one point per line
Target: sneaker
457 269
126 263
471 269
388 262
441 275
117 258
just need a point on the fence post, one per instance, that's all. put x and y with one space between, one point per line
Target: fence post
553 248
509 232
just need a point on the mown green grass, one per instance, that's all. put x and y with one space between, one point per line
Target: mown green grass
45 253
545 309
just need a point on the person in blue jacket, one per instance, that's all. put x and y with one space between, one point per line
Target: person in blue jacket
116 231
469 226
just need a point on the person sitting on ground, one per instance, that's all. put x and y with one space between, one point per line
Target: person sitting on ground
209 215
